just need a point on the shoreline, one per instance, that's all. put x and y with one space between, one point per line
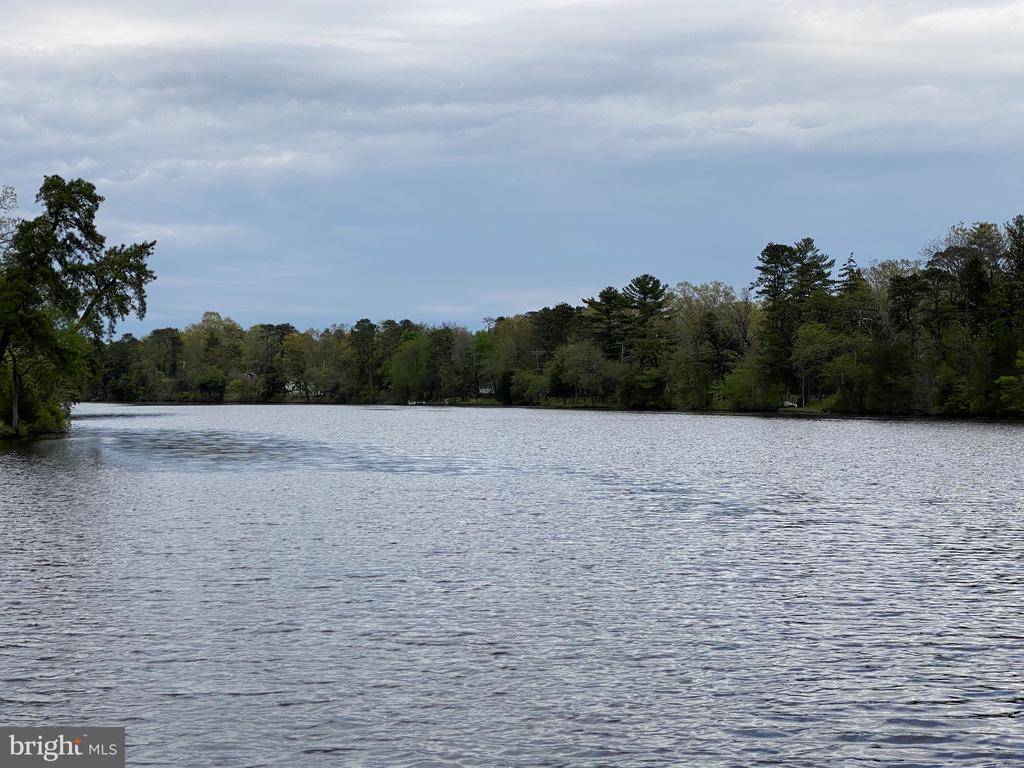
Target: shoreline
796 414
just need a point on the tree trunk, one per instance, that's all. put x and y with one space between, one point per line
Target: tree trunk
15 393
5 340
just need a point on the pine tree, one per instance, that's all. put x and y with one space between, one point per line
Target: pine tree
605 318
777 268
647 298
813 272
850 276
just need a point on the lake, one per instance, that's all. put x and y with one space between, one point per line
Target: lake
305 586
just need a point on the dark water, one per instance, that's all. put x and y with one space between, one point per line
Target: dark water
290 586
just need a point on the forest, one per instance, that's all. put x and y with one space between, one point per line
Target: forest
941 334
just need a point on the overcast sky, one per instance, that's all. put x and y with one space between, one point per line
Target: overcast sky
318 162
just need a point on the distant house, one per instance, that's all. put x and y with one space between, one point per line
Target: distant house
486 390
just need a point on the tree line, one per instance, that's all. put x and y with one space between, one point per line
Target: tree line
942 334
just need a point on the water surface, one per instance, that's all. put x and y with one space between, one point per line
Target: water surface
304 586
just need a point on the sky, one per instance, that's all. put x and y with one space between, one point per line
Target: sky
446 160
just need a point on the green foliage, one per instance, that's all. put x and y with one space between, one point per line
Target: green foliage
605 320
211 383
528 387
745 388
1011 389
581 371
942 335
813 350
644 389
647 300
410 377
60 285
712 330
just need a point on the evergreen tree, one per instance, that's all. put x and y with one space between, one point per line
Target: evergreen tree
647 298
605 321
60 284
940 336
850 276
775 286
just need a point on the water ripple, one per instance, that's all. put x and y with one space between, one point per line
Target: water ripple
274 586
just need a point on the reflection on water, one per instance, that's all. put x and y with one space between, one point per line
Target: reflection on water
148 413
207 450
377 586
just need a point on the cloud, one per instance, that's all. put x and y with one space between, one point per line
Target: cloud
259 124
189 234
167 92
